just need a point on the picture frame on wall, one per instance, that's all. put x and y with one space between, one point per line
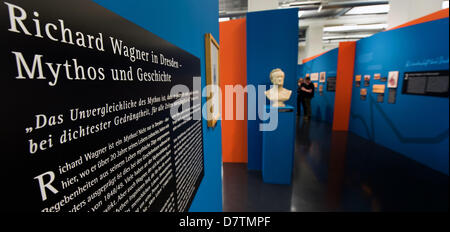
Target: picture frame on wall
322 77
366 80
357 80
363 94
212 49
392 79
392 96
314 76
380 97
331 84
378 88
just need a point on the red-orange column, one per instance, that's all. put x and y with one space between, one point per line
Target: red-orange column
344 84
233 71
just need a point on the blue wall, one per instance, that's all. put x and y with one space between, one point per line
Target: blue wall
184 23
322 107
272 42
416 126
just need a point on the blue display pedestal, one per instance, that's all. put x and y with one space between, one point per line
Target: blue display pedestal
278 148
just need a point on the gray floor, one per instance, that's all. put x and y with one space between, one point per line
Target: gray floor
338 171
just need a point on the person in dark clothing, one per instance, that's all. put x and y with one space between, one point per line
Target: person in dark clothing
299 96
307 89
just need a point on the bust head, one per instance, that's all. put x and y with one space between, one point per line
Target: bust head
277 94
277 77
308 80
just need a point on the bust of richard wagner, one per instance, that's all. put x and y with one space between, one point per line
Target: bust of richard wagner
278 95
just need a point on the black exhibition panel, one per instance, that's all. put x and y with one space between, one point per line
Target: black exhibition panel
431 83
87 123
331 84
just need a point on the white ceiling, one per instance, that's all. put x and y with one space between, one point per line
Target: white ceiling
336 16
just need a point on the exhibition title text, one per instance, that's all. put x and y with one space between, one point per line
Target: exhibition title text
39 67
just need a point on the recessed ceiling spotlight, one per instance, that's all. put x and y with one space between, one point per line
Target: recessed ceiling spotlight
377 9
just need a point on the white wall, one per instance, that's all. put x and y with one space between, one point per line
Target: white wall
403 11
301 52
259 5
314 35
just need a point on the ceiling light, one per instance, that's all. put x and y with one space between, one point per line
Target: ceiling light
320 8
300 13
346 37
380 26
304 3
444 4
224 19
377 9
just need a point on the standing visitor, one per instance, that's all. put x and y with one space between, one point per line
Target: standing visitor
307 89
299 96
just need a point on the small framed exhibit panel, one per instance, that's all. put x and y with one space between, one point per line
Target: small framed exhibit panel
363 94
380 97
431 83
331 84
103 115
358 81
392 81
366 80
322 77
314 77
392 96
377 88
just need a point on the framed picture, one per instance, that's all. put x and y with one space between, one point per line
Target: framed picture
377 76
212 80
380 98
363 94
392 96
378 88
428 83
321 90
314 76
357 80
366 80
393 79
331 84
322 77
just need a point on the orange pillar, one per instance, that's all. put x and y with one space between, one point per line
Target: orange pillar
344 85
233 71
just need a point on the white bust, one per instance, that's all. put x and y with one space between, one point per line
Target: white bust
278 95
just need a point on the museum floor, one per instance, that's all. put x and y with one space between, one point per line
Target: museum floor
330 176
